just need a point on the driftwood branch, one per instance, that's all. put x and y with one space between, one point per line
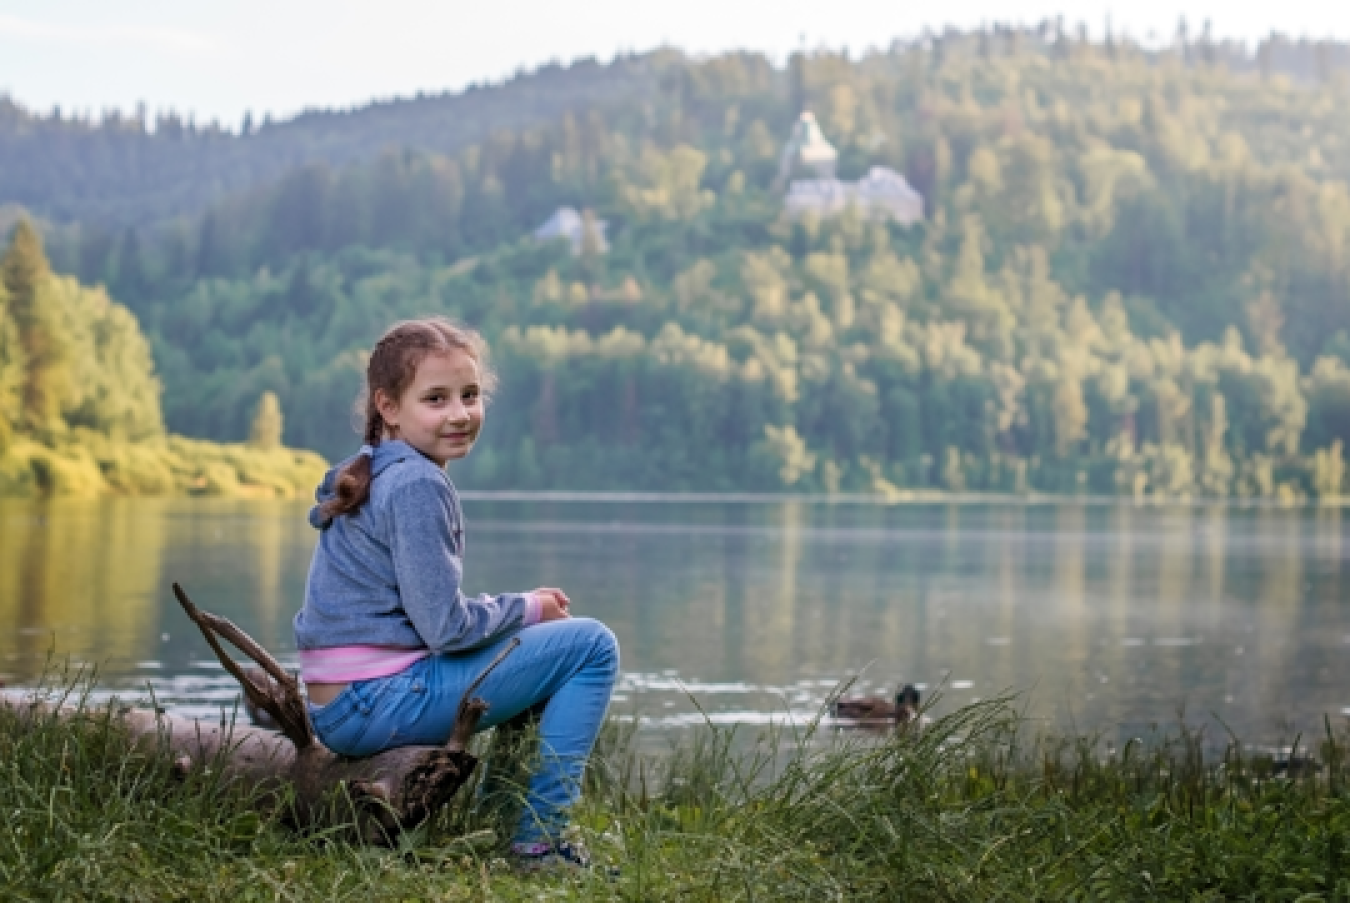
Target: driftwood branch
472 709
386 794
279 697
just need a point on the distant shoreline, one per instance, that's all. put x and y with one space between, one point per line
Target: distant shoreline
913 497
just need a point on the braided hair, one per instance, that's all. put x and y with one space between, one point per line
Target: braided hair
391 368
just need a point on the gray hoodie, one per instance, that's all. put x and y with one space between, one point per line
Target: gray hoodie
390 574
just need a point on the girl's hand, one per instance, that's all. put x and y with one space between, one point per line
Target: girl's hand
553 604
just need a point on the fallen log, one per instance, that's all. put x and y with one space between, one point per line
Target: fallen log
381 796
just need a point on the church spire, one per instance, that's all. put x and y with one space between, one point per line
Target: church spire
807 153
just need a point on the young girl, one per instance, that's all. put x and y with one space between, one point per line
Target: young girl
388 641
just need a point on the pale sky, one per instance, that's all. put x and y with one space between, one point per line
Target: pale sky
218 59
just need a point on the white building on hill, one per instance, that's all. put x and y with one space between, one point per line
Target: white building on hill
883 193
807 153
567 223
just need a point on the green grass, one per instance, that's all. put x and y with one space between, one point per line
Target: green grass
975 808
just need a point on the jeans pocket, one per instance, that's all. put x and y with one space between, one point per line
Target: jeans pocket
364 716
336 723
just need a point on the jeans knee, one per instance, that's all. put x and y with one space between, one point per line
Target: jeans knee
604 645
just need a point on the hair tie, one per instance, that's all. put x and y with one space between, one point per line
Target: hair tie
367 451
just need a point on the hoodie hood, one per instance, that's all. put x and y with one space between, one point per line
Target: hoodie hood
385 455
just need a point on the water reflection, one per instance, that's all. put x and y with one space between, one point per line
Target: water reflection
80 578
1113 615
89 581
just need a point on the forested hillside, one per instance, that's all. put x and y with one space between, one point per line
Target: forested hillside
130 171
1133 277
79 401
114 170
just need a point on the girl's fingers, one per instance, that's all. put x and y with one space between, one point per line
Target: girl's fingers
557 594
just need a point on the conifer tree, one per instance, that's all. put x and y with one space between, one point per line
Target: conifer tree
11 372
267 423
132 279
1070 415
1263 59
592 246
25 273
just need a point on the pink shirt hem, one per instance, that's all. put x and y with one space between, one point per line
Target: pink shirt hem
344 664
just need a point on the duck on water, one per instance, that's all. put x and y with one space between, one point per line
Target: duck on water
876 711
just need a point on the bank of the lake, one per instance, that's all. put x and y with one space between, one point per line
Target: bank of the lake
976 807
86 464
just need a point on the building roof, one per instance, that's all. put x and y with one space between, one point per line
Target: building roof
882 181
807 148
882 192
567 223
564 223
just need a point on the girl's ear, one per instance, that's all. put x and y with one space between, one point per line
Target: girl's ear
388 407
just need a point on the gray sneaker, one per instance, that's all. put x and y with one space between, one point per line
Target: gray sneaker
551 857
562 857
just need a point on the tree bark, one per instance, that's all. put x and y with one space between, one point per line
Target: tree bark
379 796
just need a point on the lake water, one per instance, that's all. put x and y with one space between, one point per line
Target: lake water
1107 616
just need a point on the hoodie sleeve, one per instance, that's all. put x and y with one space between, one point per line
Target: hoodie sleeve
425 543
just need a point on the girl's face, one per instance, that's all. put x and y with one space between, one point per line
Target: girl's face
441 411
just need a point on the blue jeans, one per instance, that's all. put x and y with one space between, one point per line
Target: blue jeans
569 666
